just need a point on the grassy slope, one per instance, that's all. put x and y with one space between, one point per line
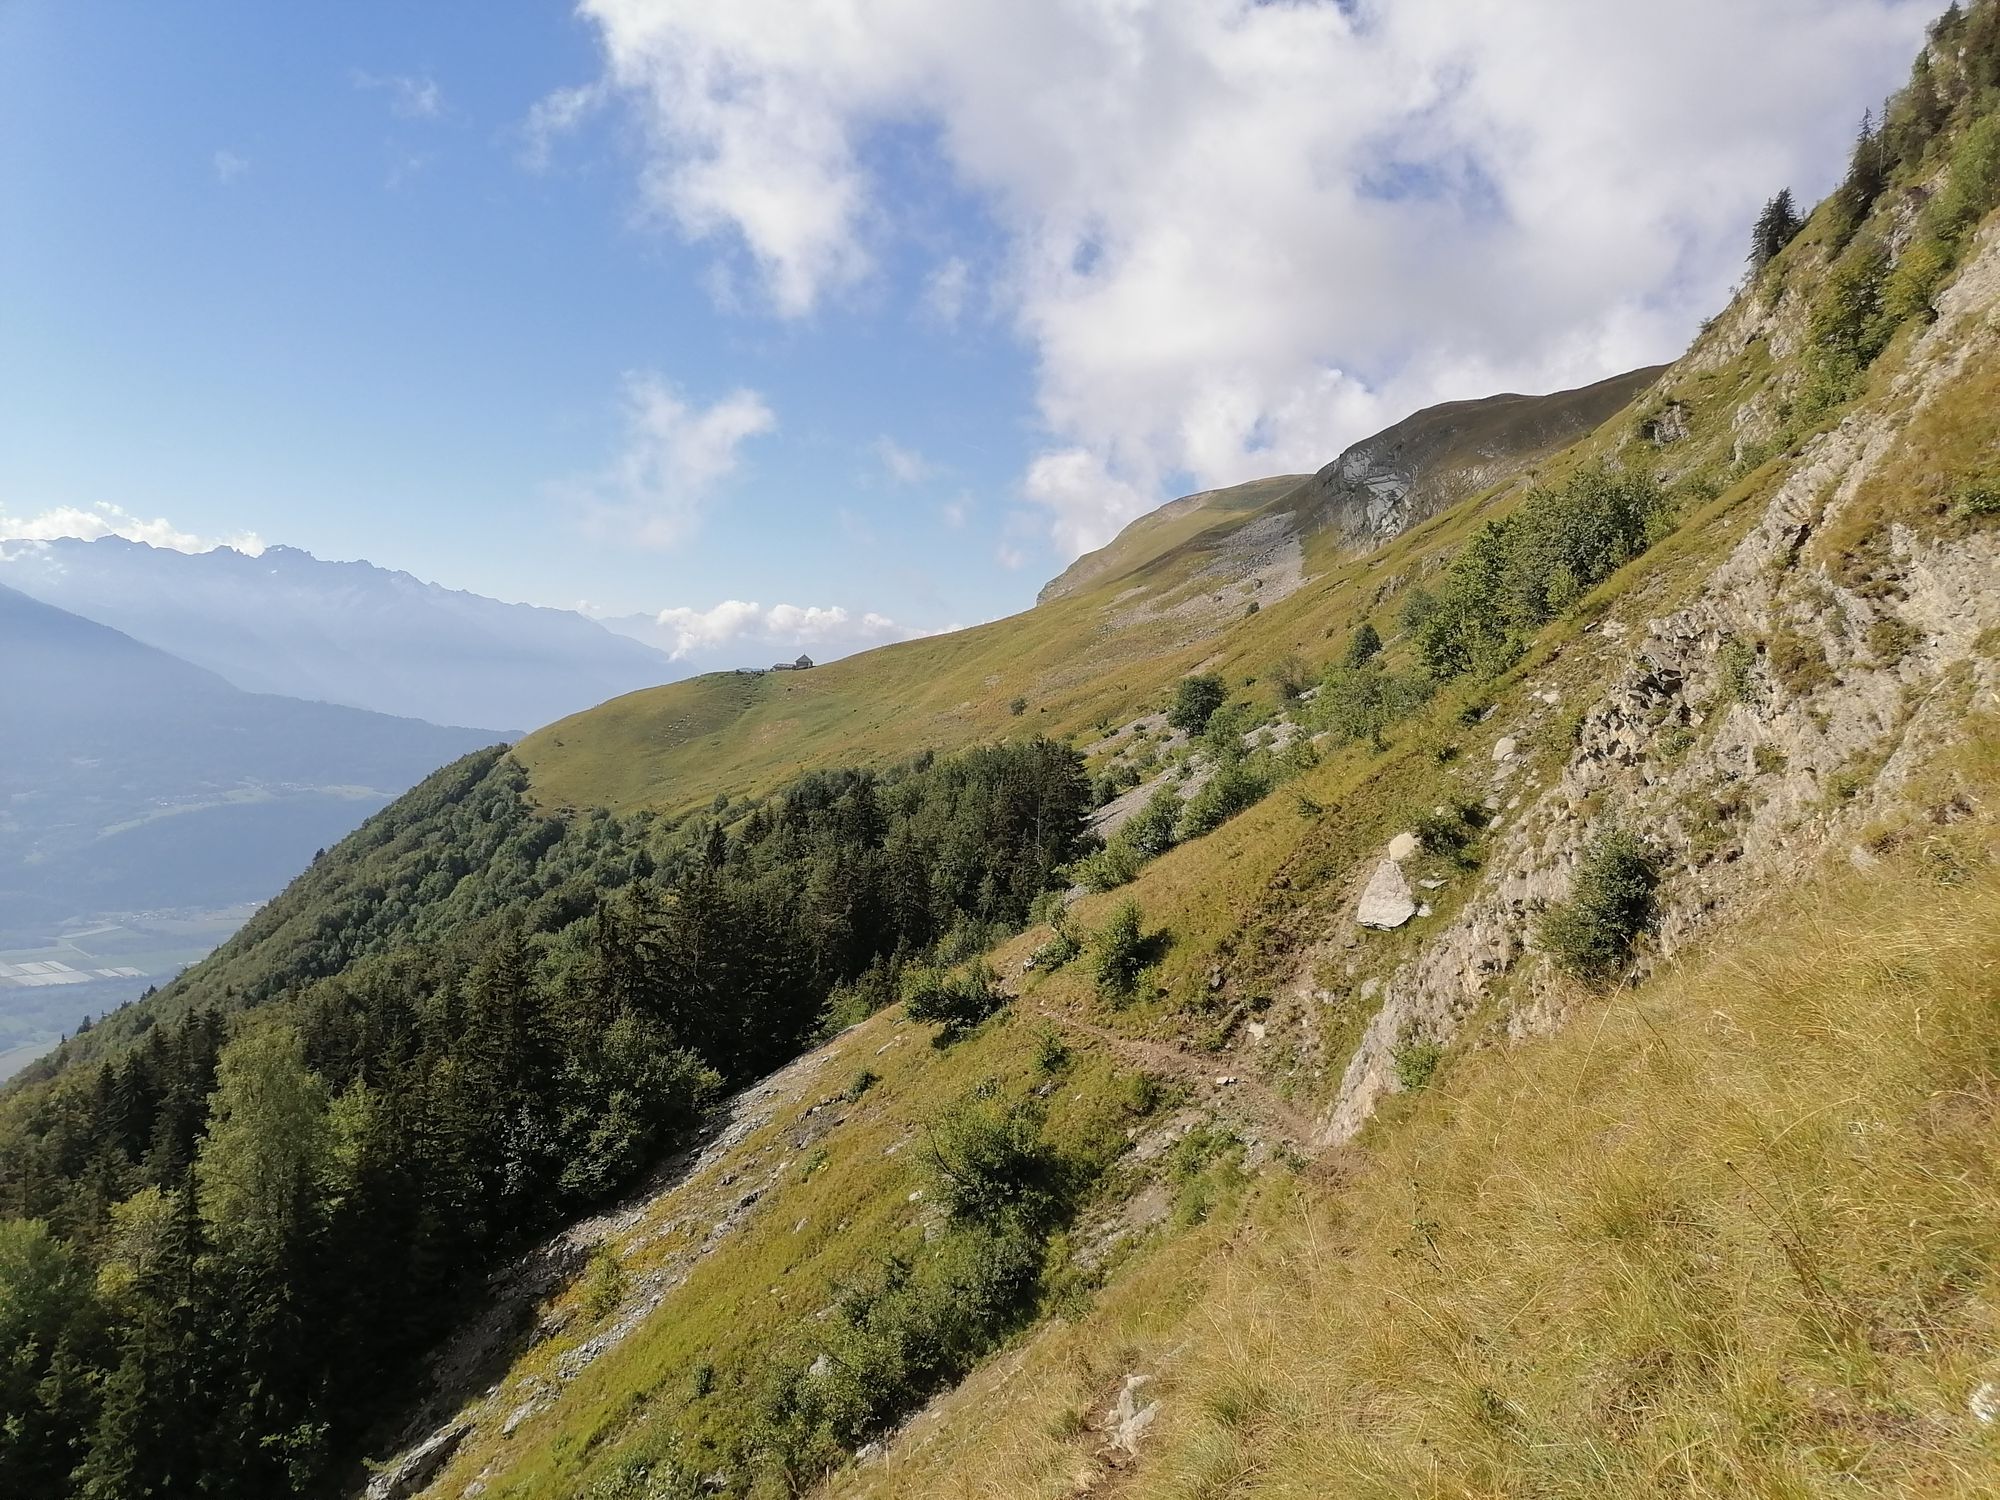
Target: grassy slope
1563 1269
1738 1233
1161 531
1084 661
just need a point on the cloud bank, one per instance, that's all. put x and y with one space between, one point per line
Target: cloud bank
741 633
1236 235
102 520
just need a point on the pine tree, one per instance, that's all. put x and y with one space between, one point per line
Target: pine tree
1776 227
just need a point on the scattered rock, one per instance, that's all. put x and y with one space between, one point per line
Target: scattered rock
1386 901
1504 747
1431 885
519 1415
1985 1403
417 1468
1402 846
820 1368
1257 1031
1127 1420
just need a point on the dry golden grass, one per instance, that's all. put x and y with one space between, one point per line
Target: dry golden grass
1737 1233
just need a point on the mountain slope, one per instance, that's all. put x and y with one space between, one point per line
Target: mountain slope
1377 487
350 633
1554 1057
1506 1256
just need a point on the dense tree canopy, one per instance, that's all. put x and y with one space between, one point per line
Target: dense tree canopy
230 1216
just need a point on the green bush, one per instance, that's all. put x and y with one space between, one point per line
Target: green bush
1733 666
1360 702
1151 832
1121 953
1116 864
1611 904
1363 646
954 1003
1061 947
1231 789
1195 701
1052 1055
1450 833
1416 1062
1518 573
604 1283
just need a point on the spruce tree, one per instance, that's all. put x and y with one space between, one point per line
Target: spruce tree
1776 227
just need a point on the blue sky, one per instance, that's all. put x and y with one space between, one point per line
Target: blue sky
658 304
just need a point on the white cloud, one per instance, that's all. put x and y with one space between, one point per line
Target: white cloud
1240 235
956 511
411 96
743 629
672 458
904 465
945 291
552 116
229 165
102 520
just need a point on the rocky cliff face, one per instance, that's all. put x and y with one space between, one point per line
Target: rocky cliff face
1779 710
1443 454
1404 474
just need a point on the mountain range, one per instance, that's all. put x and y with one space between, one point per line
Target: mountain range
284 621
133 782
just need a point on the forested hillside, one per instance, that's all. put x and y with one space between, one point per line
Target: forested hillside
461 1024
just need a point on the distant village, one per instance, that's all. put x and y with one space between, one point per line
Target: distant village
803 664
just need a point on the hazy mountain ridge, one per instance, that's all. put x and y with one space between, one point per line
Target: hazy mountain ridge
132 781
353 633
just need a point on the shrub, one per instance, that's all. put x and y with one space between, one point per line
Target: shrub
1290 676
1052 1055
1360 702
861 1083
955 1003
1415 1061
1231 789
1017 707
1450 832
1518 573
1061 947
1974 183
1116 864
604 1283
1151 831
986 1164
1733 665
1610 905
1121 953
1847 327
1195 701
1364 645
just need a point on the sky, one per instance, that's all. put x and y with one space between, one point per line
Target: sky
832 321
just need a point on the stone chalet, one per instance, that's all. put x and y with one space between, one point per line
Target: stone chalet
803 664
